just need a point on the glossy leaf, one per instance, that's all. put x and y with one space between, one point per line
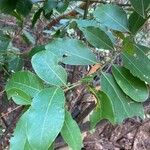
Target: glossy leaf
123 106
97 37
137 62
140 6
23 85
45 118
46 66
112 16
71 51
136 22
132 86
19 139
71 133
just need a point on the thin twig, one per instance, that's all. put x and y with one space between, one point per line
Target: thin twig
86 9
10 111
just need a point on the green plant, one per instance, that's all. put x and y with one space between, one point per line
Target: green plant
43 92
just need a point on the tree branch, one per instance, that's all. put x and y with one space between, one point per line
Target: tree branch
73 13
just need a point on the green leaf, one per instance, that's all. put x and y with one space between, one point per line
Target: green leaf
112 16
62 6
97 37
136 22
18 17
137 62
24 7
4 42
132 86
46 66
18 141
28 37
7 6
22 86
93 23
86 23
36 49
15 63
103 110
123 106
49 5
48 15
71 132
51 147
145 49
19 96
71 51
140 6
45 118
27 146
36 16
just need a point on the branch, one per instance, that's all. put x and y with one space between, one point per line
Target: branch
73 13
86 9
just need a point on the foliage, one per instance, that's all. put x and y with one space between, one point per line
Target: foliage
123 89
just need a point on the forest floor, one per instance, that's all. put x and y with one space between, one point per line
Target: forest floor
132 134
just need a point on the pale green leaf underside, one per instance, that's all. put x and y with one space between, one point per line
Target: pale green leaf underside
71 133
45 118
137 62
132 86
122 105
19 139
71 51
46 67
112 16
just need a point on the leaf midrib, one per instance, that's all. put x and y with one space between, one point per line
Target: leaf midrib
101 40
70 133
55 73
133 65
46 114
116 21
25 86
116 93
125 78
